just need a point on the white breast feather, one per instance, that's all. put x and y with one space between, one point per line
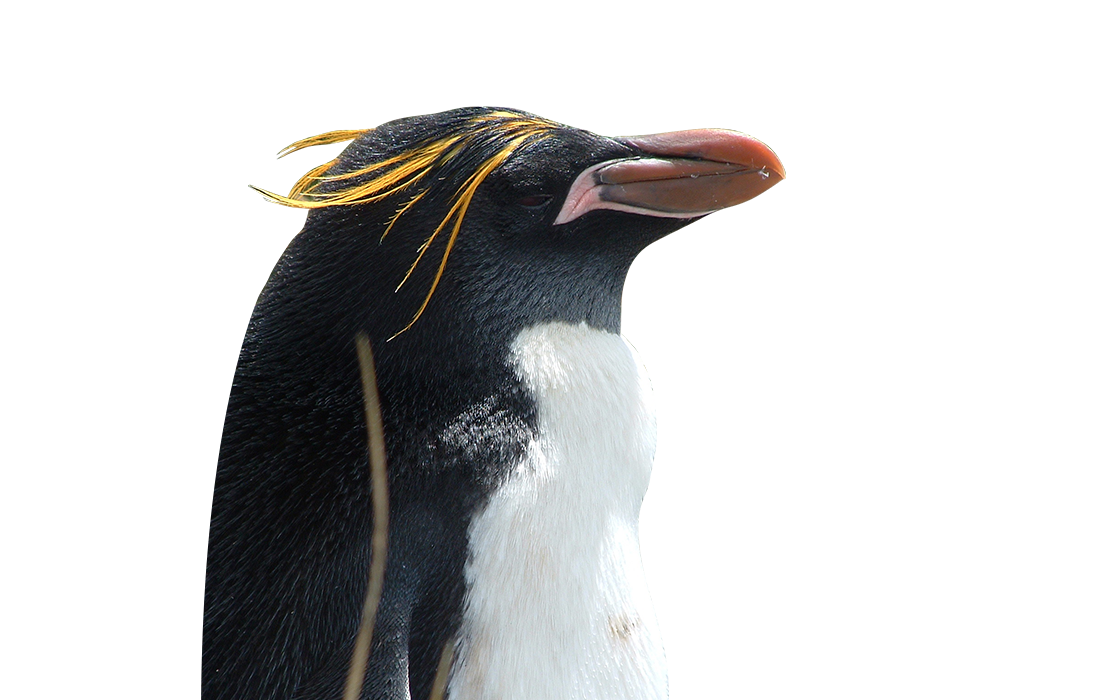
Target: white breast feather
557 605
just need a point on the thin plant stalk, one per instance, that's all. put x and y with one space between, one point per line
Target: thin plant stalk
380 499
442 671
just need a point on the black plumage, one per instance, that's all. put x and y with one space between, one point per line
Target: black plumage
290 526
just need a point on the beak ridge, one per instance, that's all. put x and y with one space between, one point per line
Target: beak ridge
681 174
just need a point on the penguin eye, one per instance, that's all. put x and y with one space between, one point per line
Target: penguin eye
535 201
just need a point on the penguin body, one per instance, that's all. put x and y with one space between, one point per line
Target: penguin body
518 426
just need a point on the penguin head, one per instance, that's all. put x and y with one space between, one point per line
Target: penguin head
482 221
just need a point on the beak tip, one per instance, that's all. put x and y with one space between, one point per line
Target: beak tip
778 170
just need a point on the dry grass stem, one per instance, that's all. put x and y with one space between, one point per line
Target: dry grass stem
442 671
380 535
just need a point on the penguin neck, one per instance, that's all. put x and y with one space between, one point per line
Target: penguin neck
468 333
456 359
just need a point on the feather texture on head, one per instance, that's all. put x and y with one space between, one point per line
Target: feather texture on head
498 133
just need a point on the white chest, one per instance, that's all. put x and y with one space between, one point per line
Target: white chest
557 604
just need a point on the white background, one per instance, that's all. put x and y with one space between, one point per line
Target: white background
941 368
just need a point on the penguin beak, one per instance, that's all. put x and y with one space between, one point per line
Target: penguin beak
679 175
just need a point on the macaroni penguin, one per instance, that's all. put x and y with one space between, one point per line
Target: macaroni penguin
483 251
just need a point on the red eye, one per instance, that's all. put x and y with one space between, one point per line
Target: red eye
534 200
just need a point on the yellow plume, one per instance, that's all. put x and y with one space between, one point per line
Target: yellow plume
398 173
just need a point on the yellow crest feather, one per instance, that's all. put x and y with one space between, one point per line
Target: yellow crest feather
382 179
